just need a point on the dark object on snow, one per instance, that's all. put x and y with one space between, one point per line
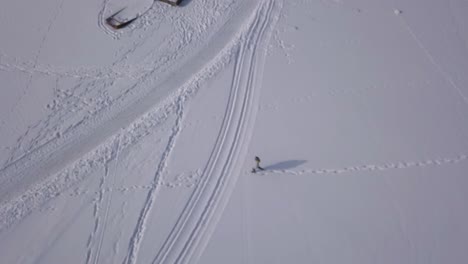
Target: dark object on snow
257 161
115 23
172 2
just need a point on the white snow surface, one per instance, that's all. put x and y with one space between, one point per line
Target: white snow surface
136 145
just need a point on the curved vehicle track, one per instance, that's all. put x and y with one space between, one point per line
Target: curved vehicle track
194 226
56 154
247 46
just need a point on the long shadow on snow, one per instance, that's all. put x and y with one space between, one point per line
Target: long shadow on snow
284 165
184 2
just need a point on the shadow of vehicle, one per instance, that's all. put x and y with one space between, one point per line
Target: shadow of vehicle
118 23
184 2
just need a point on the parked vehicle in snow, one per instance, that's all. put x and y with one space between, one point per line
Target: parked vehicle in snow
172 2
117 23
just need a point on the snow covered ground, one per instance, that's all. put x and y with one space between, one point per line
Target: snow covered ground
136 145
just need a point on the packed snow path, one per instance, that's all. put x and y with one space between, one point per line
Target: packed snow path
243 38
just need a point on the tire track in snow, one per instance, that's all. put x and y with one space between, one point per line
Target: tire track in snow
191 231
207 63
101 18
371 167
193 26
140 228
49 159
14 209
106 75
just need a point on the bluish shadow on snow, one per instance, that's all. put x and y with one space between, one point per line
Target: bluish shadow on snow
185 2
284 165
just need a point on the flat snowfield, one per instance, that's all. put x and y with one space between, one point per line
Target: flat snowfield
137 144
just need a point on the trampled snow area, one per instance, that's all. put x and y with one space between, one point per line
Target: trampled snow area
136 145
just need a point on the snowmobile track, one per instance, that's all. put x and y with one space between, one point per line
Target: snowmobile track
189 235
55 155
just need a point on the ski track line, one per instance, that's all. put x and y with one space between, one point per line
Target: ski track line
144 75
38 54
213 157
431 58
114 158
140 228
233 153
153 68
190 233
100 196
97 209
244 129
402 226
381 167
17 208
49 159
96 212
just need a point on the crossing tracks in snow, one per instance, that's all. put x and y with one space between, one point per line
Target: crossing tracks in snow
248 46
192 230
52 156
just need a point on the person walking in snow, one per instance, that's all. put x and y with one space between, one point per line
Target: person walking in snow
257 167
